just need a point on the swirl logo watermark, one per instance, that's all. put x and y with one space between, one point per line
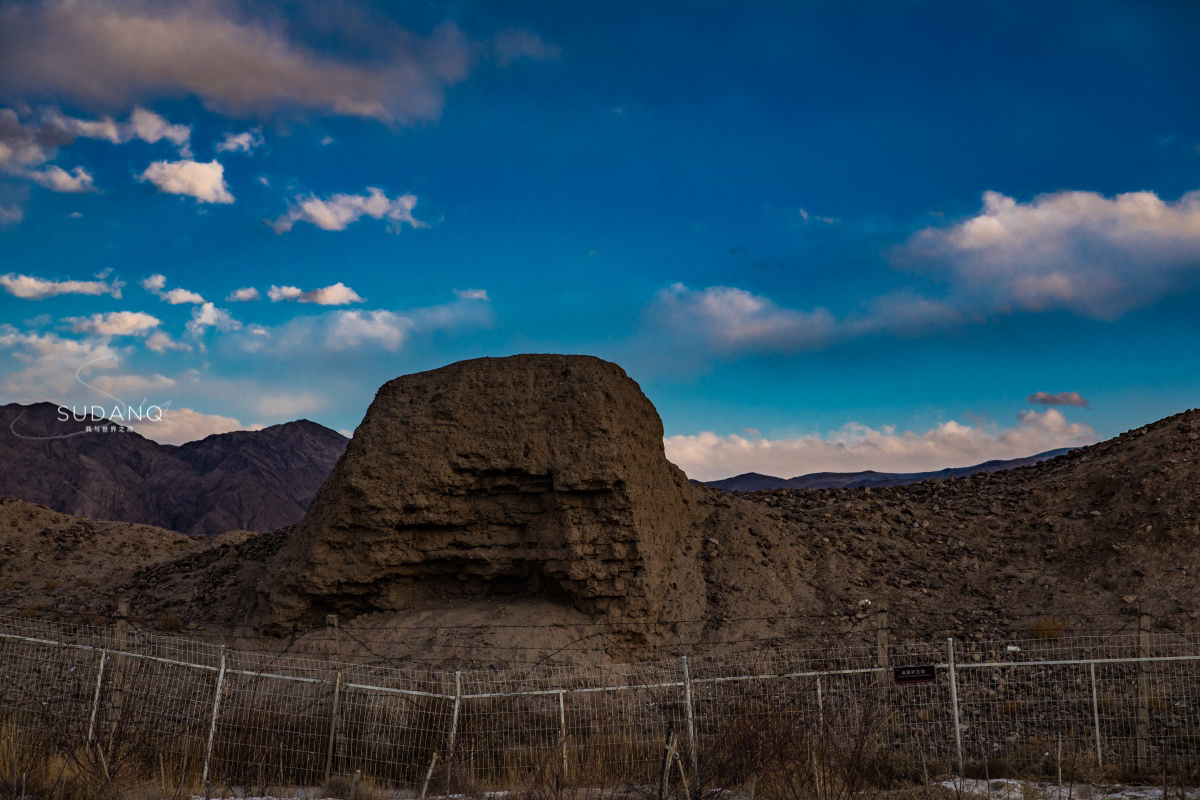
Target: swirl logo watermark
114 419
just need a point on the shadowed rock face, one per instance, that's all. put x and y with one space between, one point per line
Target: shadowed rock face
528 475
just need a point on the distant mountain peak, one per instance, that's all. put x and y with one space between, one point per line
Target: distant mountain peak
754 481
240 480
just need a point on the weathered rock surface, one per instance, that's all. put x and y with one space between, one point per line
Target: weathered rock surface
534 475
244 480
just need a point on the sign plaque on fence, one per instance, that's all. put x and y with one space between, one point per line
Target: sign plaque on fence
922 673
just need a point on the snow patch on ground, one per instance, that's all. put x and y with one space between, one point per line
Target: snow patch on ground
1008 789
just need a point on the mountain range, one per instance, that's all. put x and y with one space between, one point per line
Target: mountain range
755 482
244 480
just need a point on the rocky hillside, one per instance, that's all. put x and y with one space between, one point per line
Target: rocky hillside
247 480
510 510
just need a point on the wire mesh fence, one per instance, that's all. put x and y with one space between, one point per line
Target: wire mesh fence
119 701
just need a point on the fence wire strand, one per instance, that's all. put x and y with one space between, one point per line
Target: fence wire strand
136 700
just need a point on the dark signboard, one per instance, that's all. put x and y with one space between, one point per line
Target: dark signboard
923 673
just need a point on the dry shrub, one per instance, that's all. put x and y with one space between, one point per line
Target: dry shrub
171 622
1048 628
342 787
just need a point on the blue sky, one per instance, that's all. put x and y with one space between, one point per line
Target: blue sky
893 235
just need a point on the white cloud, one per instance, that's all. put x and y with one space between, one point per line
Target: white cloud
203 181
49 363
109 53
379 329
1057 399
182 425
25 148
471 294
854 448
241 142
114 323
11 215
31 288
180 296
154 283
161 342
729 319
142 124
1080 251
150 127
59 180
243 295
339 294
337 211
157 282
209 316
277 293
353 329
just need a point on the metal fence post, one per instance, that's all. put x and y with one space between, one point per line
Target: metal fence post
453 723
691 721
954 703
333 719
1143 694
212 728
119 676
1095 714
96 697
881 647
562 728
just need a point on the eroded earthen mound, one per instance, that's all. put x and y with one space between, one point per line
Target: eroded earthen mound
534 475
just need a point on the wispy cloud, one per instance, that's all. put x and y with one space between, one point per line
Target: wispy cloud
161 342
27 147
155 284
203 181
728 319
142 124
241 142
113 54
59 180
334 213
114 323
363 330
1057 399
33 288
339 294
514 44
855 447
